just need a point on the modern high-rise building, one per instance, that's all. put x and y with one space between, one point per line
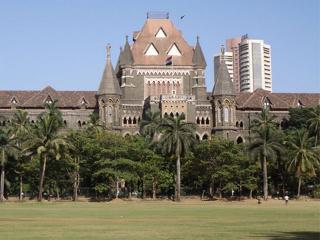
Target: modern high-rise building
255 65
227 57
251 64
232 45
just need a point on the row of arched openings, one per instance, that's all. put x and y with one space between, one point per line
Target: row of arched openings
203 121
131 120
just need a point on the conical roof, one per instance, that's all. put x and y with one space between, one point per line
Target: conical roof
198 57
109 83
126 57
223 84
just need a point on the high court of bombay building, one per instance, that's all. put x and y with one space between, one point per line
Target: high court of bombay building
162 72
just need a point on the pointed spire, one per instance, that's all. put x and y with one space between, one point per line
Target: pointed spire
109 83
223 84
126 57
198 57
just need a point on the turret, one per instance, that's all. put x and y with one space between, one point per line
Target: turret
223 101
109 94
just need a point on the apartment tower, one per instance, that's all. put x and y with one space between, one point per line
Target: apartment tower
251 64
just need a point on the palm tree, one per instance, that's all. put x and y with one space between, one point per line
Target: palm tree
149 126
264 145
177 137
304 156
20 128
7 149
314 122
45 142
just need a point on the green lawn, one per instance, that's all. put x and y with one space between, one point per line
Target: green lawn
160 220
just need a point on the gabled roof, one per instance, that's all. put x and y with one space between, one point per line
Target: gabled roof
198 57
278 101
109 83
147 35
223 84
36 99
126 57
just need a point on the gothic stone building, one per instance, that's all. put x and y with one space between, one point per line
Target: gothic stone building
162 72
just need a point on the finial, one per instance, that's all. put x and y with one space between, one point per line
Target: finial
198 38
108 50
127 37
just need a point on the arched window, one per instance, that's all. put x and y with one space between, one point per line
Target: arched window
202 121
241 124
79 124
226 114
165 114
65 122
125 120
134 120
207 121
205 137
171 115
239 140
219 115
83 123
109 114
177 114
198 120
237 124
198 137
130 120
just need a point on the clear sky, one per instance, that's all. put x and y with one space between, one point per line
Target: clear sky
62 42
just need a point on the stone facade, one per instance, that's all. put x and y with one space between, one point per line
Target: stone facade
162 72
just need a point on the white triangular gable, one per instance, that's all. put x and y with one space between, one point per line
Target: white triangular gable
174 51
161 34
83 101
151 51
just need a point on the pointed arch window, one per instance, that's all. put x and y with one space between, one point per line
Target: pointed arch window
14 101
226 114
109 114
48 100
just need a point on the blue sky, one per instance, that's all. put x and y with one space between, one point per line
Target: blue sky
62 42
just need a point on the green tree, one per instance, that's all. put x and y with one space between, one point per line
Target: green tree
304 157
176 139
20 129
149 126
314 123
45 141
264 144
7 149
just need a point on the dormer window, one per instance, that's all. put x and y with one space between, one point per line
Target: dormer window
174 51
151 51
161 34
266 103
299 104
14 101
49 100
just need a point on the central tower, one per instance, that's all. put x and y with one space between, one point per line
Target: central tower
160 71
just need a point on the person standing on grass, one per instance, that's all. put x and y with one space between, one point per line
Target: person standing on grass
286 198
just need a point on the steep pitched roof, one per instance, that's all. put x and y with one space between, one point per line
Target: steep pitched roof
147 36
109 83
198 57
126 57
278 101
223 84
36 99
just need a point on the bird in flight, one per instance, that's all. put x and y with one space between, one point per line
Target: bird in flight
182 16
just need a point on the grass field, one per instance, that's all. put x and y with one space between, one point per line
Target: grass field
160 220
